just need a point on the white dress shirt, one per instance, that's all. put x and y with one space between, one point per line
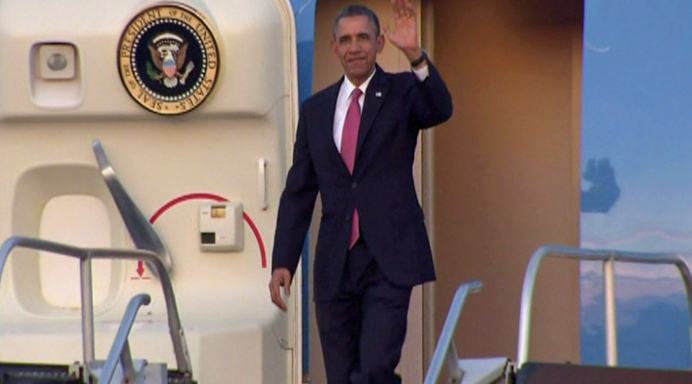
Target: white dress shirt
344 99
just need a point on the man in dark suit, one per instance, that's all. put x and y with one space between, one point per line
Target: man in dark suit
372 246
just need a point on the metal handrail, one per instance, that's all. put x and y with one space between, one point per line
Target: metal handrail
120 350
85 255
595 255
140 229
445 351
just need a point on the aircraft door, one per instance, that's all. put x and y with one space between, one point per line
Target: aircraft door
165 126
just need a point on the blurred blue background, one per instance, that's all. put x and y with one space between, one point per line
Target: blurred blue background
637 174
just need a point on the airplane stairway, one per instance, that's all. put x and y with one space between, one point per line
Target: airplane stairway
502 370
119 367
40 374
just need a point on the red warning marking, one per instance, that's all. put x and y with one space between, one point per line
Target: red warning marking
140 272
140 268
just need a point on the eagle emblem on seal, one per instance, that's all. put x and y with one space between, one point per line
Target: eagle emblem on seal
168 54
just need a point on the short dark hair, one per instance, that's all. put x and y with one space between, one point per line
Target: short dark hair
357 10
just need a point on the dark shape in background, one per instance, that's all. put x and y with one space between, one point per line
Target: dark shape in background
604 191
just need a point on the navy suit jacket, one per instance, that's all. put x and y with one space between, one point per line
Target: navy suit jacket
396 108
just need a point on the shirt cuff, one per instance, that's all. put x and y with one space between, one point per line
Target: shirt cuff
422 73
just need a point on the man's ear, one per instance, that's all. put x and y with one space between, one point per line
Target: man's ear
335 48
380 43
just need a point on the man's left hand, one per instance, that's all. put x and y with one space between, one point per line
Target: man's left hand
404 36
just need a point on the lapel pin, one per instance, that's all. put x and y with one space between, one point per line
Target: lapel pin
378 94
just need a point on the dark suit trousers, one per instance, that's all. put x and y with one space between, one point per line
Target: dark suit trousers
362 329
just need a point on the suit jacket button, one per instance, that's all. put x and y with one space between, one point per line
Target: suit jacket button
348 218
354 185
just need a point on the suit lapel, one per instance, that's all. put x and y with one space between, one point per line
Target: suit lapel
375 95
327 108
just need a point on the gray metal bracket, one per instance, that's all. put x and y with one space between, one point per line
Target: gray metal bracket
120 349
142 232
462 371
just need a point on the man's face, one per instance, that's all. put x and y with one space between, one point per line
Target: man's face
356 46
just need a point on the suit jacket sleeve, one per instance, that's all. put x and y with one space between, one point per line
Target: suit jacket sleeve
433 103
297 203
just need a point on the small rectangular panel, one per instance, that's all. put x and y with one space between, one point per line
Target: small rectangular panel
208 238
221 227
218 212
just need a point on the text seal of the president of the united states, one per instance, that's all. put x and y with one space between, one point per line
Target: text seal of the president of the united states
168 59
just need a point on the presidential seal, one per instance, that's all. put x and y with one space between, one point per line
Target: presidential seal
168 59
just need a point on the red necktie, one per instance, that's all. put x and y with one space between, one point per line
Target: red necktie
349 139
